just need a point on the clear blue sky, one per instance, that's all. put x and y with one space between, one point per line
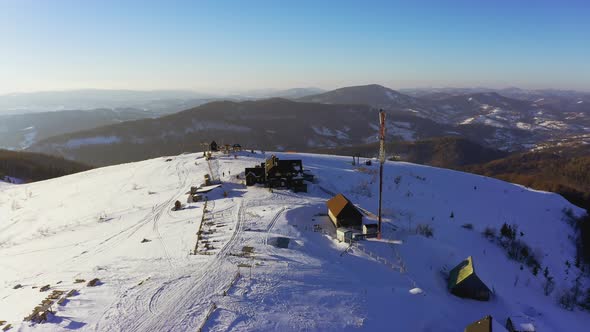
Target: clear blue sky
250 44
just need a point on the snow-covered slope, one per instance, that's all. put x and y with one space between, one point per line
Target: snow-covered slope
92 225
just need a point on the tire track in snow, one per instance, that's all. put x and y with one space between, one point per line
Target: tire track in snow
272 224
181 303
173 297
192 296
118 307
182 179
153 216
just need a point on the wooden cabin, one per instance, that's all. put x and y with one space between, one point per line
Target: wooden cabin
343 213
254 175
463 282
276 173
276 169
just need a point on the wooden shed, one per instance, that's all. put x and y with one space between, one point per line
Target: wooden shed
520 324
463 282
343 234
370 229
343 213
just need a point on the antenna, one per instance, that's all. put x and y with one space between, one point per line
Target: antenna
381 162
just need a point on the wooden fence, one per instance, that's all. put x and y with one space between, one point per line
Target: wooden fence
201 225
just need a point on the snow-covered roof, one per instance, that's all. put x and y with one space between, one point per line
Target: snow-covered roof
497 327
207 189
521 323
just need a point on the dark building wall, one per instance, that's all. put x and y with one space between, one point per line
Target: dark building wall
472 287
350 217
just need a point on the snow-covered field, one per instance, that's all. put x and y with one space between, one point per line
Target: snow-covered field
92 225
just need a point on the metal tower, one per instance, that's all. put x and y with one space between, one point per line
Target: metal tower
381 162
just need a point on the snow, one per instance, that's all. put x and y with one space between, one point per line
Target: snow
206 189
11 180
551 124
29 137
524 126
401 124
416 291
523 324
324 131
92 224
483 119
97 140
4 184
391 95
214 125
396 129
497 327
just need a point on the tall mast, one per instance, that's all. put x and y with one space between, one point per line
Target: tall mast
381 162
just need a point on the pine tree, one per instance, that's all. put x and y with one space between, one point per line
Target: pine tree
505 230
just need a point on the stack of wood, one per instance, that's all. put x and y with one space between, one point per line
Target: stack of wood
177 206
42 312
94 282
6 327
63 300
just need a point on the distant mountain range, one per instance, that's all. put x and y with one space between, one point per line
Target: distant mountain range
556 114
161 102
276 124
22 122
308 120
342 117
537 138
19 131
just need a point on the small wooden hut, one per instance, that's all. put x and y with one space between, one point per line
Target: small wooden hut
463 282
343 213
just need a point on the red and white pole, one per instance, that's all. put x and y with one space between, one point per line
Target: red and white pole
381 162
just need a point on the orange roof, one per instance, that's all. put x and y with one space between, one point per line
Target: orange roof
337 203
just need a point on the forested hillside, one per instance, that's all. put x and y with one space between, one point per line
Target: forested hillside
446 152
30 167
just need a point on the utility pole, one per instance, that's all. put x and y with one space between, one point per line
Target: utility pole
381 162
